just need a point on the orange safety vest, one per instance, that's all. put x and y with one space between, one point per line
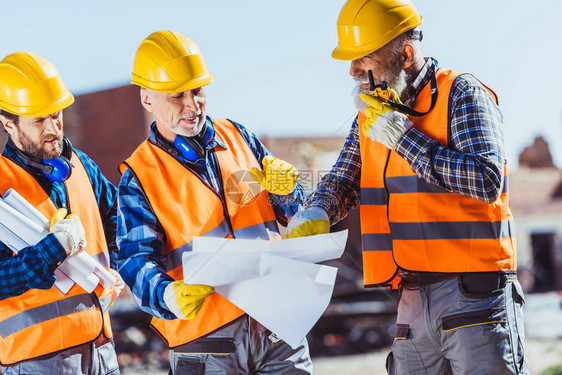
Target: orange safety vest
40 322
410 224
186 207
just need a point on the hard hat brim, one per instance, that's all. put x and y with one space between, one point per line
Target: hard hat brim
174 87
61 103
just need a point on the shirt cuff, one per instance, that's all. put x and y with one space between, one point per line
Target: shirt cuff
160 293
323 203
51 250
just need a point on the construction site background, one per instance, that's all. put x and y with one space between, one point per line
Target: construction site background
354 335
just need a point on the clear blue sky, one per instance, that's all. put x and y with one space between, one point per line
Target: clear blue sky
271 59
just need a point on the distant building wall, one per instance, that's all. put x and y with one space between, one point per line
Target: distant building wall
536 212
107 125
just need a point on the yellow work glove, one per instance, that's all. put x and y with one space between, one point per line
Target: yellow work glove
184 300
277 176
68 231
383 123
310 221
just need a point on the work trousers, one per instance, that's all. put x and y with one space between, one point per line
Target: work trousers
243 347
456 327
94 358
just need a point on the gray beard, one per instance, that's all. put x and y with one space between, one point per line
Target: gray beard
191 132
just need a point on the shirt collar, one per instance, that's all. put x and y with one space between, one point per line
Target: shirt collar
424 76
10 151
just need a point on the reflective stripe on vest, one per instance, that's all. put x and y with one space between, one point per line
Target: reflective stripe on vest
418 226
50 311
202 213
40 322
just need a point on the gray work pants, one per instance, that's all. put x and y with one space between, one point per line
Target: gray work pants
94 358
242 347
442 328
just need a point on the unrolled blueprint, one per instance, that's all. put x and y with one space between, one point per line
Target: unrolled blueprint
275 282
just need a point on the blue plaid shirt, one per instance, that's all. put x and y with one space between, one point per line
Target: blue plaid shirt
141 238
33 266
472 164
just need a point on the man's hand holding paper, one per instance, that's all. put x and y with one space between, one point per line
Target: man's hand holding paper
185 300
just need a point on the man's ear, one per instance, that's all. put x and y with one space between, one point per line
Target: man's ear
8 124
408 54
146 99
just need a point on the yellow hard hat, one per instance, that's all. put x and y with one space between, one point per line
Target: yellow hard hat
365 26
31 86
168 62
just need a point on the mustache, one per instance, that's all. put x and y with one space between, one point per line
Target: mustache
51 137
192 113
362 78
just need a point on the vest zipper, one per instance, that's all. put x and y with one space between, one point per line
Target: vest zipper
68 210
97 303
385 187
387 211
92 295
222 195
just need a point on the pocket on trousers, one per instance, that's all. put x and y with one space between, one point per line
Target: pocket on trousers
518 295
214 355
474 318
402 332
210 346
389 365
481 285
518 327
188 365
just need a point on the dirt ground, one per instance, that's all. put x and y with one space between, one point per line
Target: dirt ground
541 354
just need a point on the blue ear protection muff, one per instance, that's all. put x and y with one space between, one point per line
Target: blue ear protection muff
193 148
58 169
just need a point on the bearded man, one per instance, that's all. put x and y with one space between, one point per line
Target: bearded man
425 162
43 331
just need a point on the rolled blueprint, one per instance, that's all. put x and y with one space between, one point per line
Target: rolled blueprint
22 225
13 199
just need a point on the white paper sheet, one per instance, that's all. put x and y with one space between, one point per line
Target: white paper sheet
311 249
20 225
13 199
288 298
268 279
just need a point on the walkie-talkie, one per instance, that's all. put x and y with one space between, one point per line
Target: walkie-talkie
380 91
